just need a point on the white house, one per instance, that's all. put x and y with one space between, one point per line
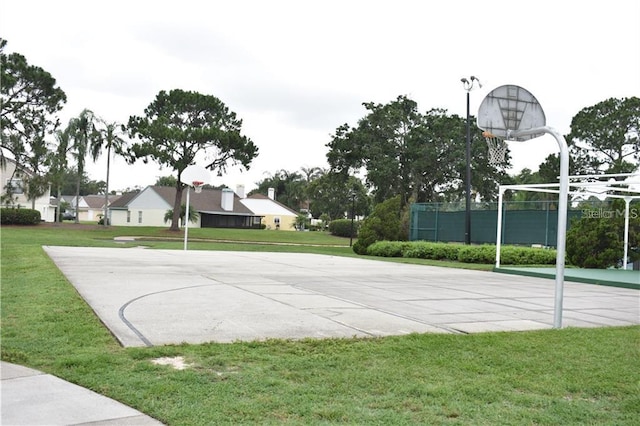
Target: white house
216 208
16 179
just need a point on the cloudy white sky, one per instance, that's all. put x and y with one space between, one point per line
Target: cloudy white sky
294 71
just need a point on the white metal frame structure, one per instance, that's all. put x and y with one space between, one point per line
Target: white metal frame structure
620 189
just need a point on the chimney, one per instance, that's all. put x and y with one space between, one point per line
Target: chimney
240 191
272 193
227 200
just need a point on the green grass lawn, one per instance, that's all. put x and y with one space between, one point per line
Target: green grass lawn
569 376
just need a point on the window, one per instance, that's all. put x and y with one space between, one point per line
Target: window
15 186
139 216
128 216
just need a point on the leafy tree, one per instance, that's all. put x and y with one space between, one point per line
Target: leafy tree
418 157
289 188
170 181
57 162
29 100
179 125
384 224
331 195
604 137
598 241
69 181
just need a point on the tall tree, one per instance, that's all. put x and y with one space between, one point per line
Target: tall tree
604 137
57 161
419 157
108 137
180 125
331 194
83 135
29 100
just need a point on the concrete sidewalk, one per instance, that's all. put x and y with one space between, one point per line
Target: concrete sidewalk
30 397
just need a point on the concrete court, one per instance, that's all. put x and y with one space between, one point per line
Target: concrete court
155 297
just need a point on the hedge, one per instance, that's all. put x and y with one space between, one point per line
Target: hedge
509 255
13 216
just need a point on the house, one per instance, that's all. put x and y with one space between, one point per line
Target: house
14 194
217 208
274 214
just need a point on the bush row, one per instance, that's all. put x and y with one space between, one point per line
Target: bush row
13 216
509 255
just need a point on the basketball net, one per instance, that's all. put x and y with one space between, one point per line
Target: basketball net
497 148
197 186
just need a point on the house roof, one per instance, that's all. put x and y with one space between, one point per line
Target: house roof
207 201
97 201
263 205
123 200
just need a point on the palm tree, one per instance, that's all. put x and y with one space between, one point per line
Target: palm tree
57 162
82 133
193 215
109 137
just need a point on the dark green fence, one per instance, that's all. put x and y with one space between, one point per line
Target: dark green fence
523 223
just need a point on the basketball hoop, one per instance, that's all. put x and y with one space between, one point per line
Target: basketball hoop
497 148
197 186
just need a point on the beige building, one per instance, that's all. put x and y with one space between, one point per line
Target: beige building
274 214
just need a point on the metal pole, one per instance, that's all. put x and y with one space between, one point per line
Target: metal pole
353 209
186 220
627 200
499 230
105 219
467 217
562 216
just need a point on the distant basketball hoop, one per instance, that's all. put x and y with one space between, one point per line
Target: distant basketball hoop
193 176
197 186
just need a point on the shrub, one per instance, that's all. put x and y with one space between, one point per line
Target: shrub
477 254
484 254
383 224
13 216
596 242
342 228
420 250
510 255
388 248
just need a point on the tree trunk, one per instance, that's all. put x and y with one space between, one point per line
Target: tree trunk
105 219
177 208
77 218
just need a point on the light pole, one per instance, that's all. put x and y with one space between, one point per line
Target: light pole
468 86
352 195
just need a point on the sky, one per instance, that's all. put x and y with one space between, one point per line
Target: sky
294 71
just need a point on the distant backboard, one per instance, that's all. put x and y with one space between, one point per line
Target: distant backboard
195 174
508 109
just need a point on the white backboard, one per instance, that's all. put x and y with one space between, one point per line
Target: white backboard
508 109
